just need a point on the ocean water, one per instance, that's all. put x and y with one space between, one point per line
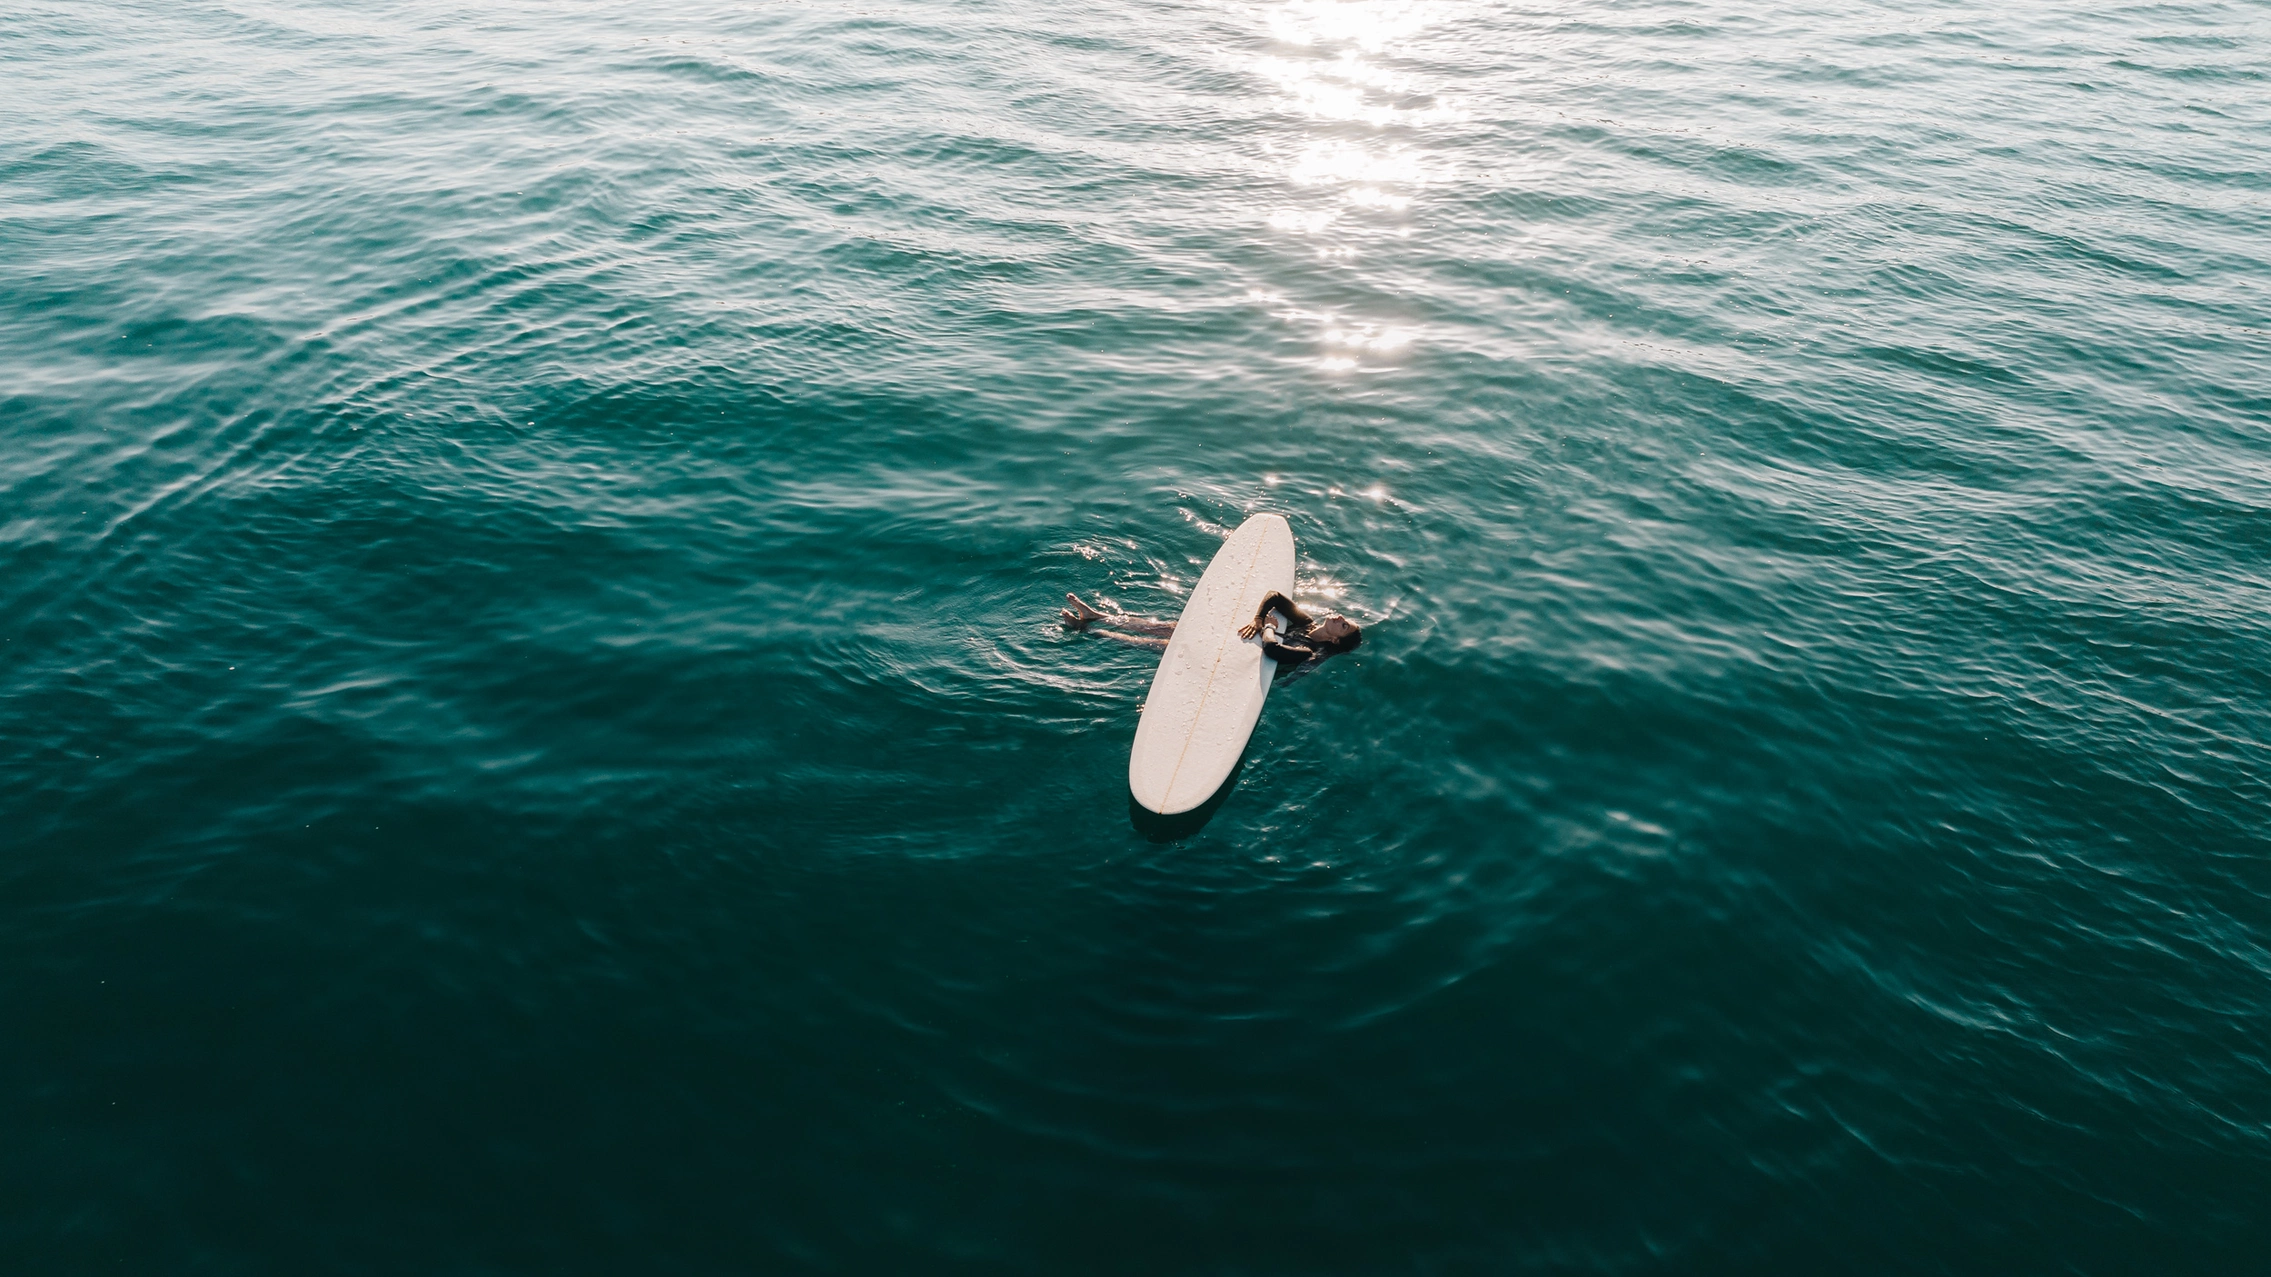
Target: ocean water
534 738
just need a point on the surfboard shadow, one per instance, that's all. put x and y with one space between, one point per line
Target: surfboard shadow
1153 827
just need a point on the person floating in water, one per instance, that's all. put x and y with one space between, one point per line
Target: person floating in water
1297 638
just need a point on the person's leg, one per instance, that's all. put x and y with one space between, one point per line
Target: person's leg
1132 640
1078 615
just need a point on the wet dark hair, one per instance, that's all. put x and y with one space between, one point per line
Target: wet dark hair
1347 643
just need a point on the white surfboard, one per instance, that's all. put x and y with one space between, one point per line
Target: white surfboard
1208 691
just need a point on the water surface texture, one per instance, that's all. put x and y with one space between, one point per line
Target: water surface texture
533 735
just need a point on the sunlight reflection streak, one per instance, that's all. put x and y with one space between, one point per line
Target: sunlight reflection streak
1336 62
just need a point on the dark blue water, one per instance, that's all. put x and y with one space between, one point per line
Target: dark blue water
533 737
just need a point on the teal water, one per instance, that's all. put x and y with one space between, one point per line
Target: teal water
533 737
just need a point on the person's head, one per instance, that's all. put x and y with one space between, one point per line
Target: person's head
1337 632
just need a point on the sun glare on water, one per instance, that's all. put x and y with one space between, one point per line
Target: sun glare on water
1342 67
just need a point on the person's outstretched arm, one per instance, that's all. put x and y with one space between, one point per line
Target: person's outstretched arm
1288 653
1278 602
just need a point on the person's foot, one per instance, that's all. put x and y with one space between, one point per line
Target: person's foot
1078 614
1071 622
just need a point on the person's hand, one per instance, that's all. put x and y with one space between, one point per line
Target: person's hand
1250 629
